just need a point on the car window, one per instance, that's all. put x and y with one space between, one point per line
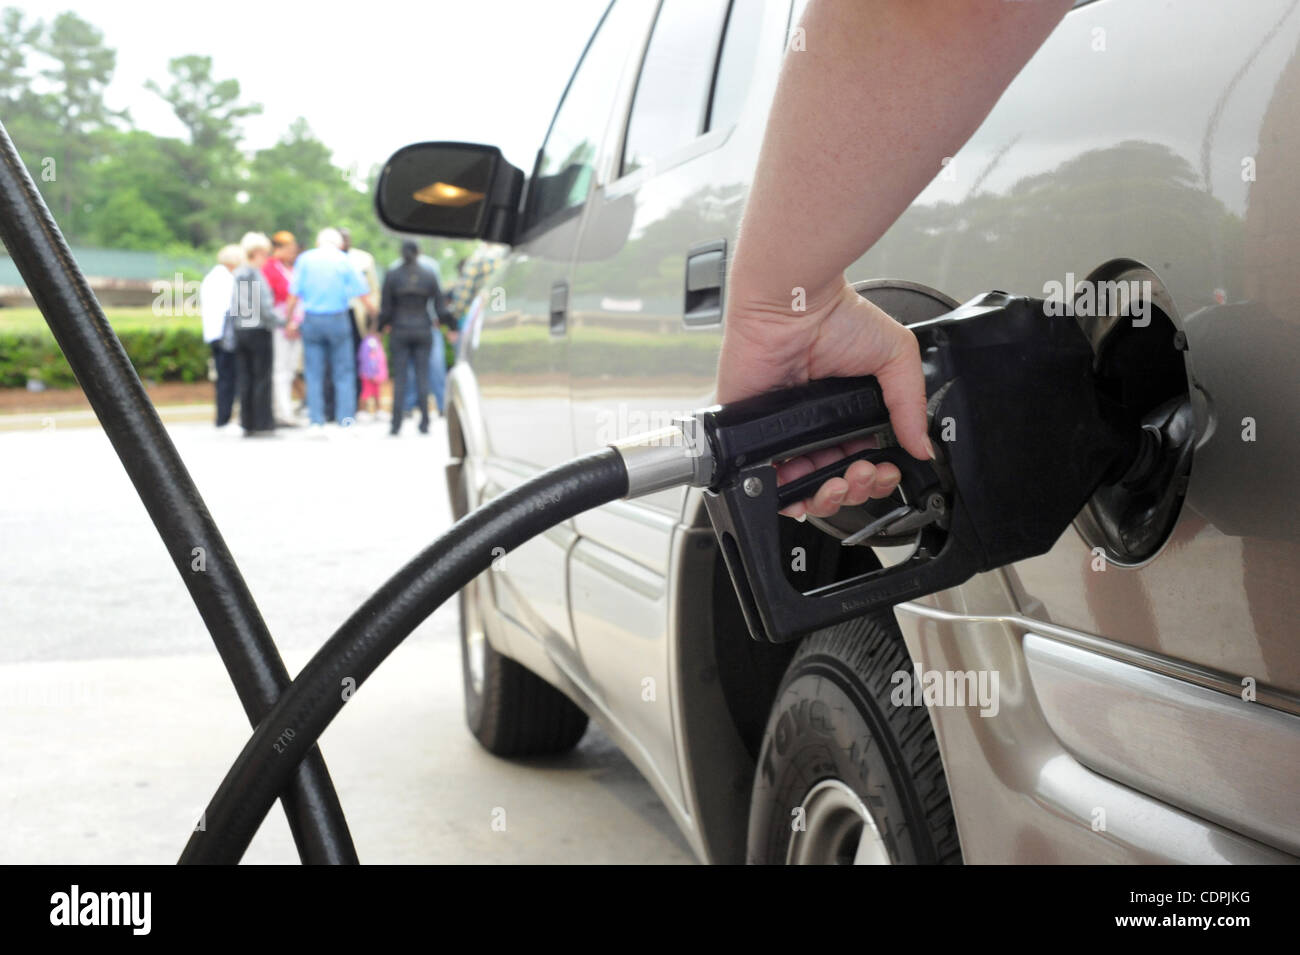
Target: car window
668 108
565 169
735 62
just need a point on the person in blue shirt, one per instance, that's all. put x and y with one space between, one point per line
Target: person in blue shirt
324 280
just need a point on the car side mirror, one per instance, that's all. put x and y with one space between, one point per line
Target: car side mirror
455 190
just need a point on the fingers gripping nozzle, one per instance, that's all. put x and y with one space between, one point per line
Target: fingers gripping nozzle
1023 436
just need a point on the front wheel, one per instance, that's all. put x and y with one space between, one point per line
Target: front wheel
845 776
510 709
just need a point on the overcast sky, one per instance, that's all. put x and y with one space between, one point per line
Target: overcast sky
369 76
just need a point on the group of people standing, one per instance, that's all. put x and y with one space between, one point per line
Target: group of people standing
267 307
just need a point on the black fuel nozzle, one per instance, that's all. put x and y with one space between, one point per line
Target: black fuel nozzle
1023 437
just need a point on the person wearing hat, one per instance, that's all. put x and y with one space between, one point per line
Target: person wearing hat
286 340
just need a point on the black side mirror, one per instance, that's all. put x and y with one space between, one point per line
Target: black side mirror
456 190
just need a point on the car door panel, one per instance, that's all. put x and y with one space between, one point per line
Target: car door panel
1111 145
521 357
634 365
523 385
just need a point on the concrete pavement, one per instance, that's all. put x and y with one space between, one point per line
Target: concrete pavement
117 721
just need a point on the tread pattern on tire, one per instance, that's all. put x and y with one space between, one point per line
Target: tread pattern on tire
522 714
519 713
869 651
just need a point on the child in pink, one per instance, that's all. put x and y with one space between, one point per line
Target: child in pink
372 365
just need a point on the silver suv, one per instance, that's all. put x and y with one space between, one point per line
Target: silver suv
1131 696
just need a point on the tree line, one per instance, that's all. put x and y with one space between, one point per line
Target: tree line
112 185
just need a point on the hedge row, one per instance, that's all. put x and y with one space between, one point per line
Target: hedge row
158 354
178 353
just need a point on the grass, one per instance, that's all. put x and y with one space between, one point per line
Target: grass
29 320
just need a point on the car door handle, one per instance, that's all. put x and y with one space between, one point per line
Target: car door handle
559 306
706 271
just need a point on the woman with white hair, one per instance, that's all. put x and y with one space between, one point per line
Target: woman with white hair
253 310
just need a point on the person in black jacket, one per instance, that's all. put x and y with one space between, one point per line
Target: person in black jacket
408 291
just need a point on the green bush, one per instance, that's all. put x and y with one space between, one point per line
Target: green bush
164 353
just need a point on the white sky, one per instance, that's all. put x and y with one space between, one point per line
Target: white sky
368 76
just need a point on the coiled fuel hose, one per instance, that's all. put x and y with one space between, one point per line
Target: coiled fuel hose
167 491
464 551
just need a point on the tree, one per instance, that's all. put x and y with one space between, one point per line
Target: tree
82 68
17 37
20 108
209 108
292 184
126 221
210 163
295 185
74 109
140 162
114 185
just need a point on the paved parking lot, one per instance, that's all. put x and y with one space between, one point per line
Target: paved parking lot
116 720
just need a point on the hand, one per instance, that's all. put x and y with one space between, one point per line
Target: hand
840 335
291 332
452 335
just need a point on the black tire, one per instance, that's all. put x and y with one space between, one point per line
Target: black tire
514 712
833 730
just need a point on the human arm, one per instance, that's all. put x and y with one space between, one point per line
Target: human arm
356 285
441 309
293 318
291 304
271 320
882 92
372 287
386 310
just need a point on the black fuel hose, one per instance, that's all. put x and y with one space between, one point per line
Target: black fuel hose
325 684
166 489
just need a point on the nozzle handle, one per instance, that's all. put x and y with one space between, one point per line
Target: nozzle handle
781 424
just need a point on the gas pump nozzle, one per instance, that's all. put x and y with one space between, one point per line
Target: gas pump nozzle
1023 436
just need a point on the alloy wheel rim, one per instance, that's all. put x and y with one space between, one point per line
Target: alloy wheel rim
837 829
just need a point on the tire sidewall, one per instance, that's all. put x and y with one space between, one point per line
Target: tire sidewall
474 704
826 725
470 606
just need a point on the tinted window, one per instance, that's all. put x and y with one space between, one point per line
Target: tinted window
673 88
736 62
565 171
